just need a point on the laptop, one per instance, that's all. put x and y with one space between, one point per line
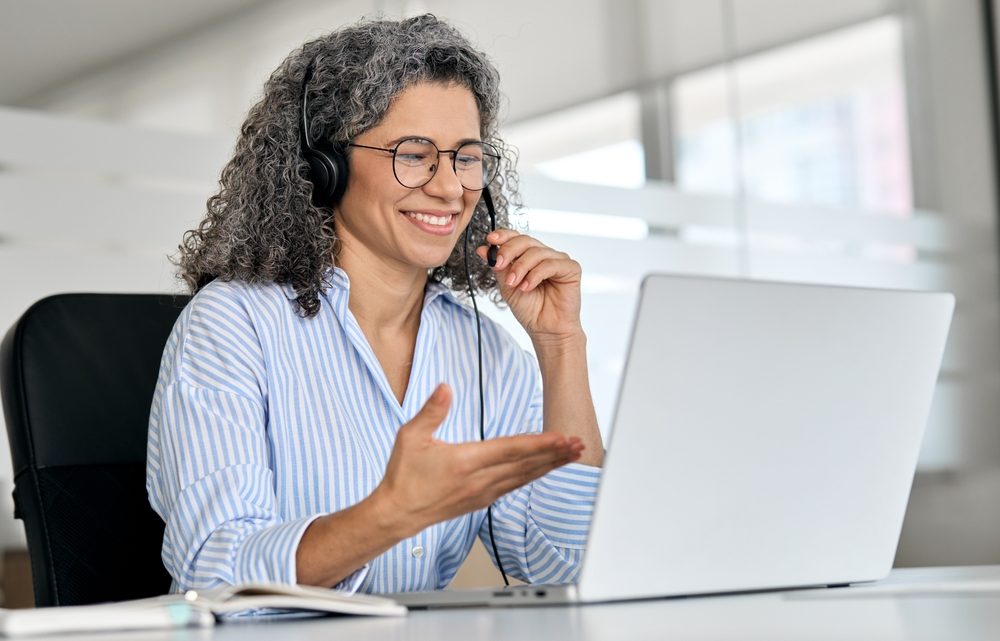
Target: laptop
765 437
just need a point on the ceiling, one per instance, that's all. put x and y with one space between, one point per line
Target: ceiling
44 43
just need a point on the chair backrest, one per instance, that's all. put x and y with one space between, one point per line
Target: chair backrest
77 373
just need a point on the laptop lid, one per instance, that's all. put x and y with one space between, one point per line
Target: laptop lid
765 436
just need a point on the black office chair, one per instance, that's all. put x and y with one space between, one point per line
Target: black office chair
77 372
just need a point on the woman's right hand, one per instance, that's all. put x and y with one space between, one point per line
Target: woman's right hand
427 480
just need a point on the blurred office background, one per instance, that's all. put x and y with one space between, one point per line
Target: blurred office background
849 142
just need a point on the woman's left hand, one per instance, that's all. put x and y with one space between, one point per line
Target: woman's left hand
541 285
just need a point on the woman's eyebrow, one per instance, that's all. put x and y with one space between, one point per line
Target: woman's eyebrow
396 141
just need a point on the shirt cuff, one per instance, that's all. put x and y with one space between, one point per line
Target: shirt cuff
353 582
269 554
562 503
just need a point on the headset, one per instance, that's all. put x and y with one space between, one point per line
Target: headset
327 164
328 174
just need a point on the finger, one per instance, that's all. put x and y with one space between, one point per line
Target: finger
501 236
514 248
502 261
529 260
511 248
431 414
510 476
481 454
570 449
505 449
497 238
558 270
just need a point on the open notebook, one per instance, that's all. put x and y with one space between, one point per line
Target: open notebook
193 609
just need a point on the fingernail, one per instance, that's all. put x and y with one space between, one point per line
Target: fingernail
511 279
493 236
438 394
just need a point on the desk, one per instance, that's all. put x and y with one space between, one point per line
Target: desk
969 615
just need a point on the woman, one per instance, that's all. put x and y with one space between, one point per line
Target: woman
317 415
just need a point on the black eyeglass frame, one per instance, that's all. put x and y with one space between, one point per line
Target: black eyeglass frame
488 150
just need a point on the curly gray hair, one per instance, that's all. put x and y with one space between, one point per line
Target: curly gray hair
262 226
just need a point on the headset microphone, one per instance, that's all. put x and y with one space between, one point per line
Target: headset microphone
491 253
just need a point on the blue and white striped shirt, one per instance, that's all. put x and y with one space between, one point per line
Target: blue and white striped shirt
262 421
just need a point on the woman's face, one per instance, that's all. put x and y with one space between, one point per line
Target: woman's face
379 216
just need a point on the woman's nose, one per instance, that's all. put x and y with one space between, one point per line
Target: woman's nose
445 183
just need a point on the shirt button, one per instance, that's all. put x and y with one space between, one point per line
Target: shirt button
417 551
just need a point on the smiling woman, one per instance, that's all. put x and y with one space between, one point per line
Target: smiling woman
263 226
322 399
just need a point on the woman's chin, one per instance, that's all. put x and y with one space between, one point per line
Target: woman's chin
432 260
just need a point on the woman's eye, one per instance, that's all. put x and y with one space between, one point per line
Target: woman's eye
413 159
467 162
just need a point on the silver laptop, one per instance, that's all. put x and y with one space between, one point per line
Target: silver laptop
765 437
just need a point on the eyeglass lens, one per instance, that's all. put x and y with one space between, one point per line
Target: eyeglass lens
416 162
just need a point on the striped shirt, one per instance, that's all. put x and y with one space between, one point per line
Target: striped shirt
262 421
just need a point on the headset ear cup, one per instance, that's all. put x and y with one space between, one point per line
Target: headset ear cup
327 165
328 173
319 176
338 182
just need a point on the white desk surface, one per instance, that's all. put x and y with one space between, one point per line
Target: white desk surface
947 604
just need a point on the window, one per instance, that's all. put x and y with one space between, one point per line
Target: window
598 142
820 122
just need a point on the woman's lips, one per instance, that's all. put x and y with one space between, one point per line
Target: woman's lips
436 223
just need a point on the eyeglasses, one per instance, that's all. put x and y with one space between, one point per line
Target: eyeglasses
416 160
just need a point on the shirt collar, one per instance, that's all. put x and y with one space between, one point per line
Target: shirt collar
337 282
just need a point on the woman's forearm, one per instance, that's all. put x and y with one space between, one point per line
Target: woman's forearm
568 404
336 545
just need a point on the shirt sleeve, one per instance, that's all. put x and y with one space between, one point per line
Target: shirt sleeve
541 528
209 475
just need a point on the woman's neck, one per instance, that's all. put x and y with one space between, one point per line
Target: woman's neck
385 298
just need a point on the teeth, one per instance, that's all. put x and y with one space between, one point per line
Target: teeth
430 220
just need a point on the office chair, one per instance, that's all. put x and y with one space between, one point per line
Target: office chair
77 372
